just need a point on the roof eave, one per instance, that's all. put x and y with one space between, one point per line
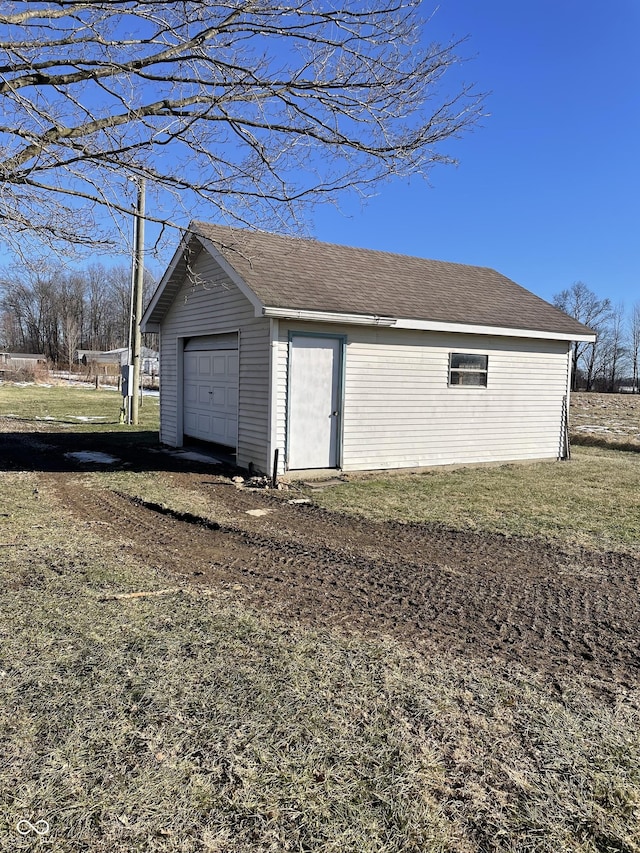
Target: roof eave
421 325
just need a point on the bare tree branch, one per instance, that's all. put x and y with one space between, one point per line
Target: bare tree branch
252 107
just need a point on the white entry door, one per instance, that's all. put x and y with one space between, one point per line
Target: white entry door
314 401
211 395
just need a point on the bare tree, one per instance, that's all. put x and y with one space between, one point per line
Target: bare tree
613 349
30 295
48 308
253 107
71 333
70 312
97 308
582 303
18 307
9 329
119 295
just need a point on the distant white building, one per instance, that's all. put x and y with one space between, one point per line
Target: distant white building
149 365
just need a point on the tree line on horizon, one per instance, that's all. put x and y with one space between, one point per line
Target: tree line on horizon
610 363
54 311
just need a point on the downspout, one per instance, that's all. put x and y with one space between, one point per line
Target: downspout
272 416
565 444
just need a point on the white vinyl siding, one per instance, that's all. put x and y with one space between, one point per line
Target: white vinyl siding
253 403
213 304
399 410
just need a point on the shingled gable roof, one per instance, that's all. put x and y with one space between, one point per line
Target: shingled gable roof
289 276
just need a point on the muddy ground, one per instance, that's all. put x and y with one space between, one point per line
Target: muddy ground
558 612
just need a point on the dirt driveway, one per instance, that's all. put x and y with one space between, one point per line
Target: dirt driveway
556 612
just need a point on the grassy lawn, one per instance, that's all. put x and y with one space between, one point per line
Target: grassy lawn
70 408
186 722
593 500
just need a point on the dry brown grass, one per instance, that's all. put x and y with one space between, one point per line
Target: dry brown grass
188 723
68 408
592 501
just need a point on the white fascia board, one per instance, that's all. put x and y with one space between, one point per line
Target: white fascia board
419 325
328 317
499 331
239 282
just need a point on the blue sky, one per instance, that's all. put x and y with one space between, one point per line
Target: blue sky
548 189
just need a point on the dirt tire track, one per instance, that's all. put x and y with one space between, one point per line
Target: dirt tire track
488 596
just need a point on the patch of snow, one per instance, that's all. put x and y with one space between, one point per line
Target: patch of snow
259 512
194 456
87 418
40 445
93 456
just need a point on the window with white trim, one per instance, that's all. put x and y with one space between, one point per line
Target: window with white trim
468 369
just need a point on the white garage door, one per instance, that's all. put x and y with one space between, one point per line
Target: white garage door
211 390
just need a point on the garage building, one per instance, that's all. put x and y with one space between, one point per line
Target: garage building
330 357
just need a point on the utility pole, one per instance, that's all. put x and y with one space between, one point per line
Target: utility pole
136 302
